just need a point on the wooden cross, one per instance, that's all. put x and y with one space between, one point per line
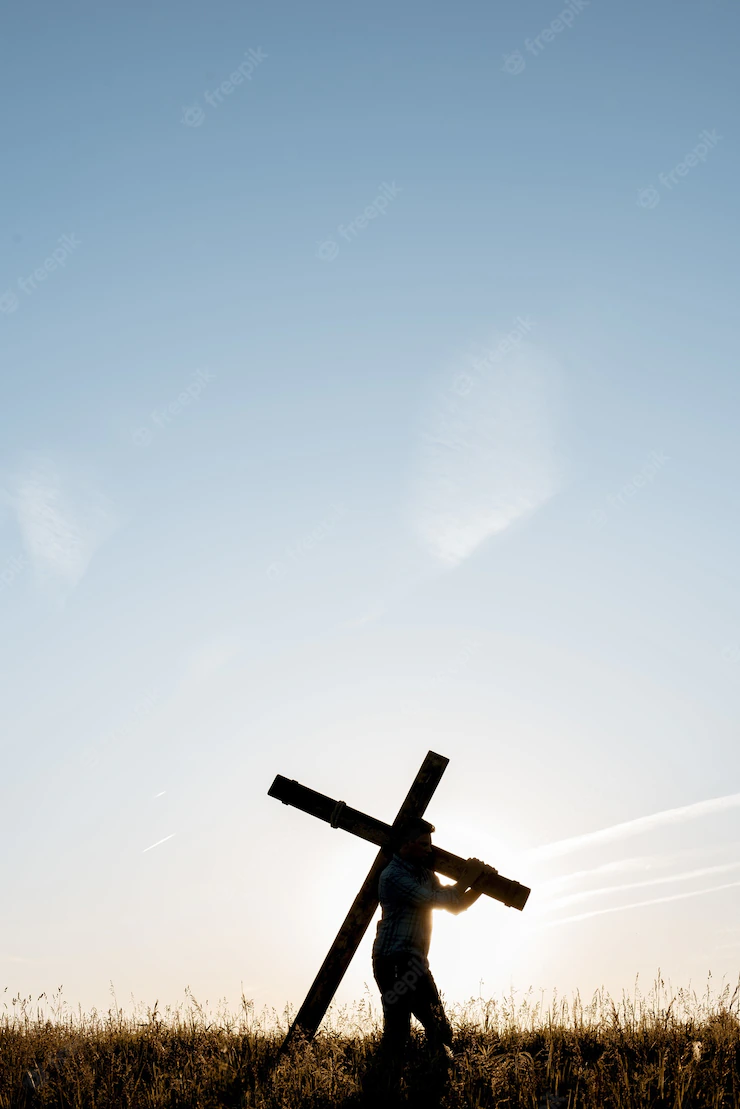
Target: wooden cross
339 815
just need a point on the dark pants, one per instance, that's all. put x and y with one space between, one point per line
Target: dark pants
406 986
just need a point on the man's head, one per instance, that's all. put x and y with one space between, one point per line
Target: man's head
414 841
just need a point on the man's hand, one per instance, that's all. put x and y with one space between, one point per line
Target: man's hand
474 868
472 872
487 870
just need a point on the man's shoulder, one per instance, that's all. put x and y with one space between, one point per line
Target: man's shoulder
394 863
398 867
395 868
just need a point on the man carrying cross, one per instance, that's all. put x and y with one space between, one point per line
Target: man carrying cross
408 891
406 926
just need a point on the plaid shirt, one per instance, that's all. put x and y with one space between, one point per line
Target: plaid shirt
408 892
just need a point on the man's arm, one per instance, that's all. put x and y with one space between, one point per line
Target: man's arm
413 892
472 872
466 900
467 897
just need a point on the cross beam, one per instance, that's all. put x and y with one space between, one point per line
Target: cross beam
355 925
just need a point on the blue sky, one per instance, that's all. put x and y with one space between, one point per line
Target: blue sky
381 399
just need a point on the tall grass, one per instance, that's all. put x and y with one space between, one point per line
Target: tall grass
678 1051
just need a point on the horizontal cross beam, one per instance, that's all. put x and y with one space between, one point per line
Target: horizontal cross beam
375 831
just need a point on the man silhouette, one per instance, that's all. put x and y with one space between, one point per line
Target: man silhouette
408 891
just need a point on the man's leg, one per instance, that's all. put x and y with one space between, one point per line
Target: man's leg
426 1005
396 1018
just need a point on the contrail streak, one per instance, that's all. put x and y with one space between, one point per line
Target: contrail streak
635 827
646 862
158 843
636 905
638 862
584 894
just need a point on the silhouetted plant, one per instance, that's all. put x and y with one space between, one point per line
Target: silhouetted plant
684 1052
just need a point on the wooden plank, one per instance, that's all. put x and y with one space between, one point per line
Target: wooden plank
357 921
319 805
511 893
290 792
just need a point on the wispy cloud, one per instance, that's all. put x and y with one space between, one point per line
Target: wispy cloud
63 519
636 905
635 862
368 617
639 863
209 658
687 875
636 827
486 452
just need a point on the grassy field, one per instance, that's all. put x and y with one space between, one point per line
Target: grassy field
655 1051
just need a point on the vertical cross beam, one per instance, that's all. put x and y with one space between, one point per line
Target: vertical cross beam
334 966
